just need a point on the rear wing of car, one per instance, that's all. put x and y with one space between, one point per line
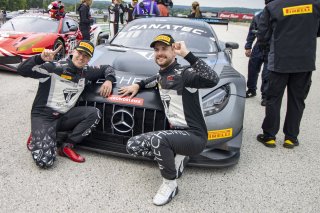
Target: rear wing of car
220 21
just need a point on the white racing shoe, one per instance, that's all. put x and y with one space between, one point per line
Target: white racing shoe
180 162
166 192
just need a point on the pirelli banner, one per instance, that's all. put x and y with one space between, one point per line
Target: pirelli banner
237 16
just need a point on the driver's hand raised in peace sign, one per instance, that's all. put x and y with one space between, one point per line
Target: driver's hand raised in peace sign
48 55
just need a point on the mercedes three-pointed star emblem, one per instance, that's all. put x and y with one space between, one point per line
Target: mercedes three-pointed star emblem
122 121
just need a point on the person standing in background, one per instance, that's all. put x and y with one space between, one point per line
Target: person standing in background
129 8
195 10
4 16
291 28
258 57
164 11
1 17
121 12
114 17
85 18
146 8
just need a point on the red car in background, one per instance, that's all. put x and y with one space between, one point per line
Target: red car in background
29 34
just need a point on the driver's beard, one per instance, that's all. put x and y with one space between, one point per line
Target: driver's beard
163 66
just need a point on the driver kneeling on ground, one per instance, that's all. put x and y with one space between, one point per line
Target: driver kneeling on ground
60 85
179 92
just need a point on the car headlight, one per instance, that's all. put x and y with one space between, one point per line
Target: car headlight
215 101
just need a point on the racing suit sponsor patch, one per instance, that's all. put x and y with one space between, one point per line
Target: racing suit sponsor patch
68 77
69 93
170 78
297 10
218 134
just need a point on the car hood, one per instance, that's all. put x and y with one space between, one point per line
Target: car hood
136 61
20 42
131 67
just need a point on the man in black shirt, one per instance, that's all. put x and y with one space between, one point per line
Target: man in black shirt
85 18
291 28
258 58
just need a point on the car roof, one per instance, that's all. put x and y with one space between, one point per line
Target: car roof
38 15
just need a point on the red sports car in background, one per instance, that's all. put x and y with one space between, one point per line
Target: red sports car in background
29 34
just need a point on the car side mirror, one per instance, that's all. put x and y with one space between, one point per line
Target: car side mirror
73 28
103 38
232 45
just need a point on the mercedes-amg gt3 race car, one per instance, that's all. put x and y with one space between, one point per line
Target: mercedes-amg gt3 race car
130 54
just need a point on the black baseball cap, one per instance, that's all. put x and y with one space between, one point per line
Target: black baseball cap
164 38
86 46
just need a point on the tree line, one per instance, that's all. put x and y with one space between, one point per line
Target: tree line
23 4
13 5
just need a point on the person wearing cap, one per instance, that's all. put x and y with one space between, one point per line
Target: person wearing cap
178 87
60 85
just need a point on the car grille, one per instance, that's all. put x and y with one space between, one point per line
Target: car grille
116 119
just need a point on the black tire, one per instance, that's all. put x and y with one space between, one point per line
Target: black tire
62 53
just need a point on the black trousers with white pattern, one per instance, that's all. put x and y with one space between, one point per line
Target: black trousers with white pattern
164 145
79 121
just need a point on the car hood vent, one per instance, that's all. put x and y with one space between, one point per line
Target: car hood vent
117 49
229 72
22 39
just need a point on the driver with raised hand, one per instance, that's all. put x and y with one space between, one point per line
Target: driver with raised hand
60 85
178 87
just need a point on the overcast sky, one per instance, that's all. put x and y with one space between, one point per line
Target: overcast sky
224 3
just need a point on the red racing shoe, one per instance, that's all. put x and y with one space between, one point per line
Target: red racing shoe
29 146
67 151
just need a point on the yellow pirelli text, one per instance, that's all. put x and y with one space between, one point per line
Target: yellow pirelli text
37 50
218 134
162 37
297 10
83 44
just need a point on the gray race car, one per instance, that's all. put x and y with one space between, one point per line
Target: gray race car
129 53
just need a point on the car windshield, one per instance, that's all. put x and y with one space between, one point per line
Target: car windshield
140 36
35 24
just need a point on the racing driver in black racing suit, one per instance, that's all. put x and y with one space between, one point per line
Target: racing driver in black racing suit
60 85
178 86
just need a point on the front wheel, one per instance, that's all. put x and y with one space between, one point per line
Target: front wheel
61 54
